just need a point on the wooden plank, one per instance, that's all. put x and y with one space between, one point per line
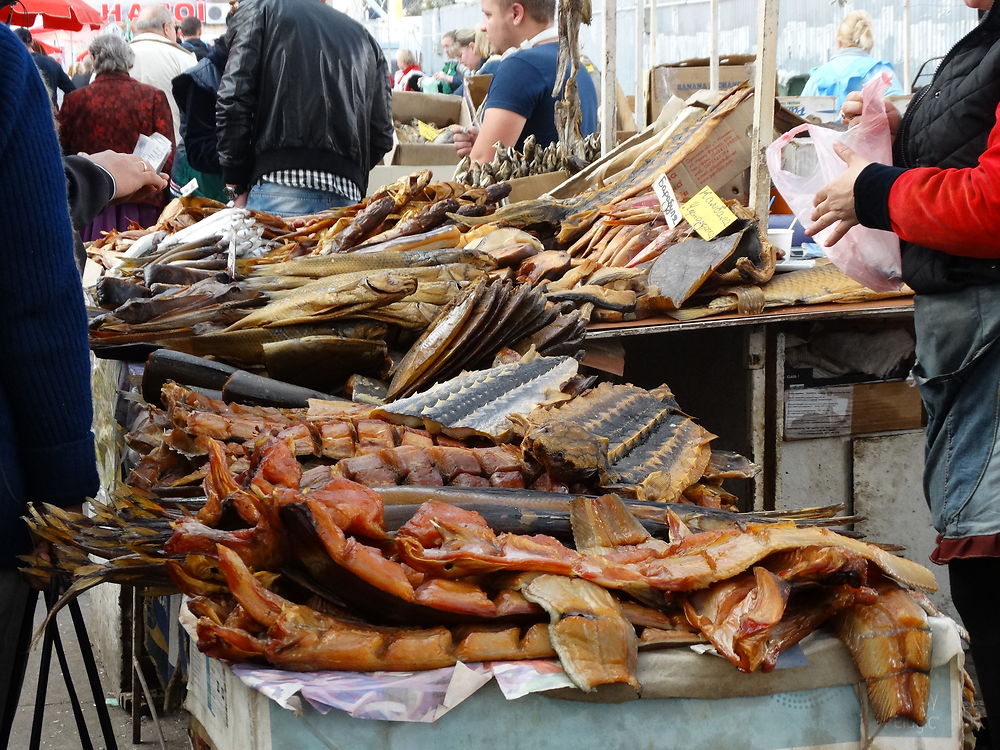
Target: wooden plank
765 87
639 100
609 78
896 307
713 62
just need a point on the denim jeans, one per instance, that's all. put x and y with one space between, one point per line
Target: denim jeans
958 371
282 200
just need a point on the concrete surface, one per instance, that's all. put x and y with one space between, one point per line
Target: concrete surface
59 728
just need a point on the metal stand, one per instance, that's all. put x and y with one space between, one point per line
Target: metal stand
51 638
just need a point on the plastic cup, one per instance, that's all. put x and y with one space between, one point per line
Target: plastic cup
781 239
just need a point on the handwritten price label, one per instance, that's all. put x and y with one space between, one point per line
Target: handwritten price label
668 201
707 214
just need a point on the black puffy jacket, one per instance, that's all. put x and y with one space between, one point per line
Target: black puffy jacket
946 125
305 87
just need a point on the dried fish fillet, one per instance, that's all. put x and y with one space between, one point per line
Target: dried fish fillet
812 286
890 642
594 641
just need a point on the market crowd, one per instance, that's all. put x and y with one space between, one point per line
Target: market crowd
289 110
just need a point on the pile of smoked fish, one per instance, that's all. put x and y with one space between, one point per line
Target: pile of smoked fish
364 284
533 423
510 513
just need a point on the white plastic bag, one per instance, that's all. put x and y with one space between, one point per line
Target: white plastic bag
869 256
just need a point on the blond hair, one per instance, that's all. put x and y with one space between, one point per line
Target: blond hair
465 37
856 31
406 58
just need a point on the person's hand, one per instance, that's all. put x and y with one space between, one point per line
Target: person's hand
240 201
851 111
441 76
835 201
43 550
465 139
134 179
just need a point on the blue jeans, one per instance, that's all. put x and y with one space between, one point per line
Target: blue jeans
958 371
282 200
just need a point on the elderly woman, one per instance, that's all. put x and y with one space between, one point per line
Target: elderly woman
111 113
853 65
408 73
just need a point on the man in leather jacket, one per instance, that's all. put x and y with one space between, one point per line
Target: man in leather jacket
304 108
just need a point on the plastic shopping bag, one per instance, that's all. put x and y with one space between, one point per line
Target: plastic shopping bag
869 256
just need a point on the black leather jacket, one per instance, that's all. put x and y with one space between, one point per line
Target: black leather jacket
305 87
946 125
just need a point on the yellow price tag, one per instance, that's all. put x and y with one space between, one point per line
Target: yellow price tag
707 214
427 131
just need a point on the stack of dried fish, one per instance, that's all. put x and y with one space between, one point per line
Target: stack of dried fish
484 319
619 223
381 276
304 571
509 163
567 438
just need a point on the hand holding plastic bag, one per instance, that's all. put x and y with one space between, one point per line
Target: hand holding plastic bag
869 256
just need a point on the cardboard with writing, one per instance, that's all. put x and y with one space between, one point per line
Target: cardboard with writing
707 214
721 161
813 109
685 77
860 409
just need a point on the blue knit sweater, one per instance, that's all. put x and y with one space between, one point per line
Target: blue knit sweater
46 446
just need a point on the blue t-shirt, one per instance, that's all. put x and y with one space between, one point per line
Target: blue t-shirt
847 71
523 84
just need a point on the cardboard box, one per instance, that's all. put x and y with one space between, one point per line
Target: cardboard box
721 161
529 188
859 409
478 87
439 110
812 108
687 76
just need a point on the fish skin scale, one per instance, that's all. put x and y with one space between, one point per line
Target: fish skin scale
666 448
534 390
456 407
642 435
457 401
664 451
617 410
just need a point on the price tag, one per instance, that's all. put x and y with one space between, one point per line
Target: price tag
427 131
707 214
668 201
190 187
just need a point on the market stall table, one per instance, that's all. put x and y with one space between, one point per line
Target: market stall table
812 702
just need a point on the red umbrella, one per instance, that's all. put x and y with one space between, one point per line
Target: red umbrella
48 48
70 15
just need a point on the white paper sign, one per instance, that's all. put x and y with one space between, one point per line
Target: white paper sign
818 412
668 201
154 149
191 186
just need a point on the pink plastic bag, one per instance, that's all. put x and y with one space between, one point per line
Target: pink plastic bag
869 256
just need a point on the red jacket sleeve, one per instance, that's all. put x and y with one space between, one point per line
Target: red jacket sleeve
956 211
